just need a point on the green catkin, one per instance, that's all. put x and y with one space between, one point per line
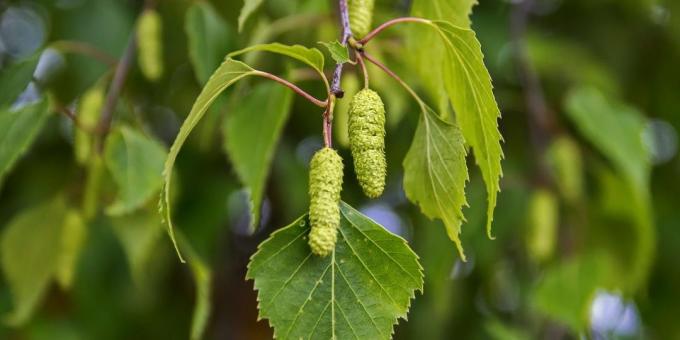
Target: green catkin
367 141
360 16
150 44
325 184
89 108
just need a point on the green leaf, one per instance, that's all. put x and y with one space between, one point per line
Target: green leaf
73 237
138 234
469 88
360 291
456 12
135 162
310 56
338 52
202 278
226 75
249 7
18 130
15 78
208 37
251 142
435 172
622 140
566 291
30 256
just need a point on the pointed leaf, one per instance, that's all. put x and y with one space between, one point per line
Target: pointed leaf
310 56
208 36
338 52
469 88
135 162
226 75
358 292
18 130
251 142
435 172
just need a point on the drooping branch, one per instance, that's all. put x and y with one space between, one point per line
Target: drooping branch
293 87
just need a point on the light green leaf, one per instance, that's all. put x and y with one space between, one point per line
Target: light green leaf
18 130
74 233
435 172
226 75
358 292
622 139
250 143
310 56
249 7
469 88
338 52
457 12
30 256
135 162
208 37
15 78
138 234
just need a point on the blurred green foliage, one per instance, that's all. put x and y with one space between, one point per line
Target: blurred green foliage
83 250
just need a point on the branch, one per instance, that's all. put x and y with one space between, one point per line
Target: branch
336 88
389 24
115 89
83 48
293 87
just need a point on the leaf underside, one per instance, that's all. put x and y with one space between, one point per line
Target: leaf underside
358 292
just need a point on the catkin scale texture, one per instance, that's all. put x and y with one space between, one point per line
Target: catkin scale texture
150 44
367 141
360 16
325 185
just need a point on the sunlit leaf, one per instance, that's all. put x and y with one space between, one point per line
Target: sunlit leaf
358 292
208 37
310 56
251 132
15 78
135 162
338 52
31 251
18 130
469 88
435 172
226 75
249 7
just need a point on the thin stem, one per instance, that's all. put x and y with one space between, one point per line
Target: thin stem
293 87
336 87
389 24
396 77
328 123
83 48
362 65
116 88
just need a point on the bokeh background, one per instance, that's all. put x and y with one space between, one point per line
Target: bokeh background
586 226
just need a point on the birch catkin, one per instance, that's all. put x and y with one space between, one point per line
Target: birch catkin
150 44
367 141
325 184
360 16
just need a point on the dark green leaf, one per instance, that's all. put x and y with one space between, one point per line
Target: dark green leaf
208 37
338 52
435 172
135 162
18 130
358 292
251 134
15 78
138 234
